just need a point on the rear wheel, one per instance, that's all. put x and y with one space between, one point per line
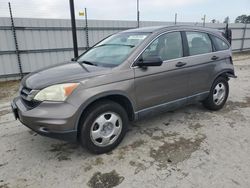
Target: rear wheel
104 127
218 94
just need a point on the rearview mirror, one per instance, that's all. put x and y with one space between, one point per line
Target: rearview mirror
150 61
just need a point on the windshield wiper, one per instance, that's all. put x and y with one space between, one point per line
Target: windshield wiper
87 62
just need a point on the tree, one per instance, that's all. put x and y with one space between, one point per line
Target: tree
226 20
213 21
243 19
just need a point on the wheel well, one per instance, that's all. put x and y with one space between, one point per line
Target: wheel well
224 74
120 99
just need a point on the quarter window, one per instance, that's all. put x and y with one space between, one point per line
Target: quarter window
219 43
198 43
167 46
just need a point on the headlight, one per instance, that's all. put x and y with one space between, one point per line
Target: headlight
58 92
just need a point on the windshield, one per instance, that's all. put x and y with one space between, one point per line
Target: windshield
112 51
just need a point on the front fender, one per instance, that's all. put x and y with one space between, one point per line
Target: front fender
99 96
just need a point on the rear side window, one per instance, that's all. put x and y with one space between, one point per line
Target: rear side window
219 43
198 43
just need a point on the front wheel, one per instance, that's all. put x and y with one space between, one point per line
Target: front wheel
218 94
104 127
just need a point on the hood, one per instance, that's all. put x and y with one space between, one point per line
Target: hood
61 73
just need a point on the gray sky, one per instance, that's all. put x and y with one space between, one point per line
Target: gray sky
151 10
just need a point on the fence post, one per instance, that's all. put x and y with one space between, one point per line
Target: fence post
15 40
243 37
204 20
175 19
86 29
138 14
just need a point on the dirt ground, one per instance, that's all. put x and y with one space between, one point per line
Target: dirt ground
190 147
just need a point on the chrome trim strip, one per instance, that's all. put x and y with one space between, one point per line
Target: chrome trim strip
164 104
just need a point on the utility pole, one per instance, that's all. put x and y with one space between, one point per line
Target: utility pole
73 26
175 19
138 14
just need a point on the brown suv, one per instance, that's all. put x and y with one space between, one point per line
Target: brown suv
123 78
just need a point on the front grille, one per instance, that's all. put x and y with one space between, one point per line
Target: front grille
27 95
30 104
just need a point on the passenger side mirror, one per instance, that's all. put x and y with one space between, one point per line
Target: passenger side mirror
150 61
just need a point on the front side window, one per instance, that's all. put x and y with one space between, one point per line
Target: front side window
114 50
219 43
198 43
168 46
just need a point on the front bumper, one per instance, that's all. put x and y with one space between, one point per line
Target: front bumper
52 119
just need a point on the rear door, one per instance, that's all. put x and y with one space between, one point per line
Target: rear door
168 82
202 61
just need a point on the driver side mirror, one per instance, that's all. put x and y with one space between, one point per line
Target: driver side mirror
150 61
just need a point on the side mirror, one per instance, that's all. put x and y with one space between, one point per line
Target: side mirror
150 61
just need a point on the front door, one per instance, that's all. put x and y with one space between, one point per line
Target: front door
156 86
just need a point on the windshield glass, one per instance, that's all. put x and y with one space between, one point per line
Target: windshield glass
112 51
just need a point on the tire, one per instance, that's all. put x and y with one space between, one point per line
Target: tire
104 126
218 94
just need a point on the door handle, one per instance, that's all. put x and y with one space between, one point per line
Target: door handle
180 64
214 58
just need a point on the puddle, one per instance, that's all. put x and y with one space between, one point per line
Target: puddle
105 180
178 151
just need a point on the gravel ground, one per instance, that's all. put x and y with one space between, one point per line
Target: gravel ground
190 147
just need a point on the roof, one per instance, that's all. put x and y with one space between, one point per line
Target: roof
170 27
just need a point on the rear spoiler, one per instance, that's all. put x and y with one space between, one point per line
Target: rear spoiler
227 33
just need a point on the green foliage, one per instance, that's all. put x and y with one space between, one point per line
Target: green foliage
243 19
